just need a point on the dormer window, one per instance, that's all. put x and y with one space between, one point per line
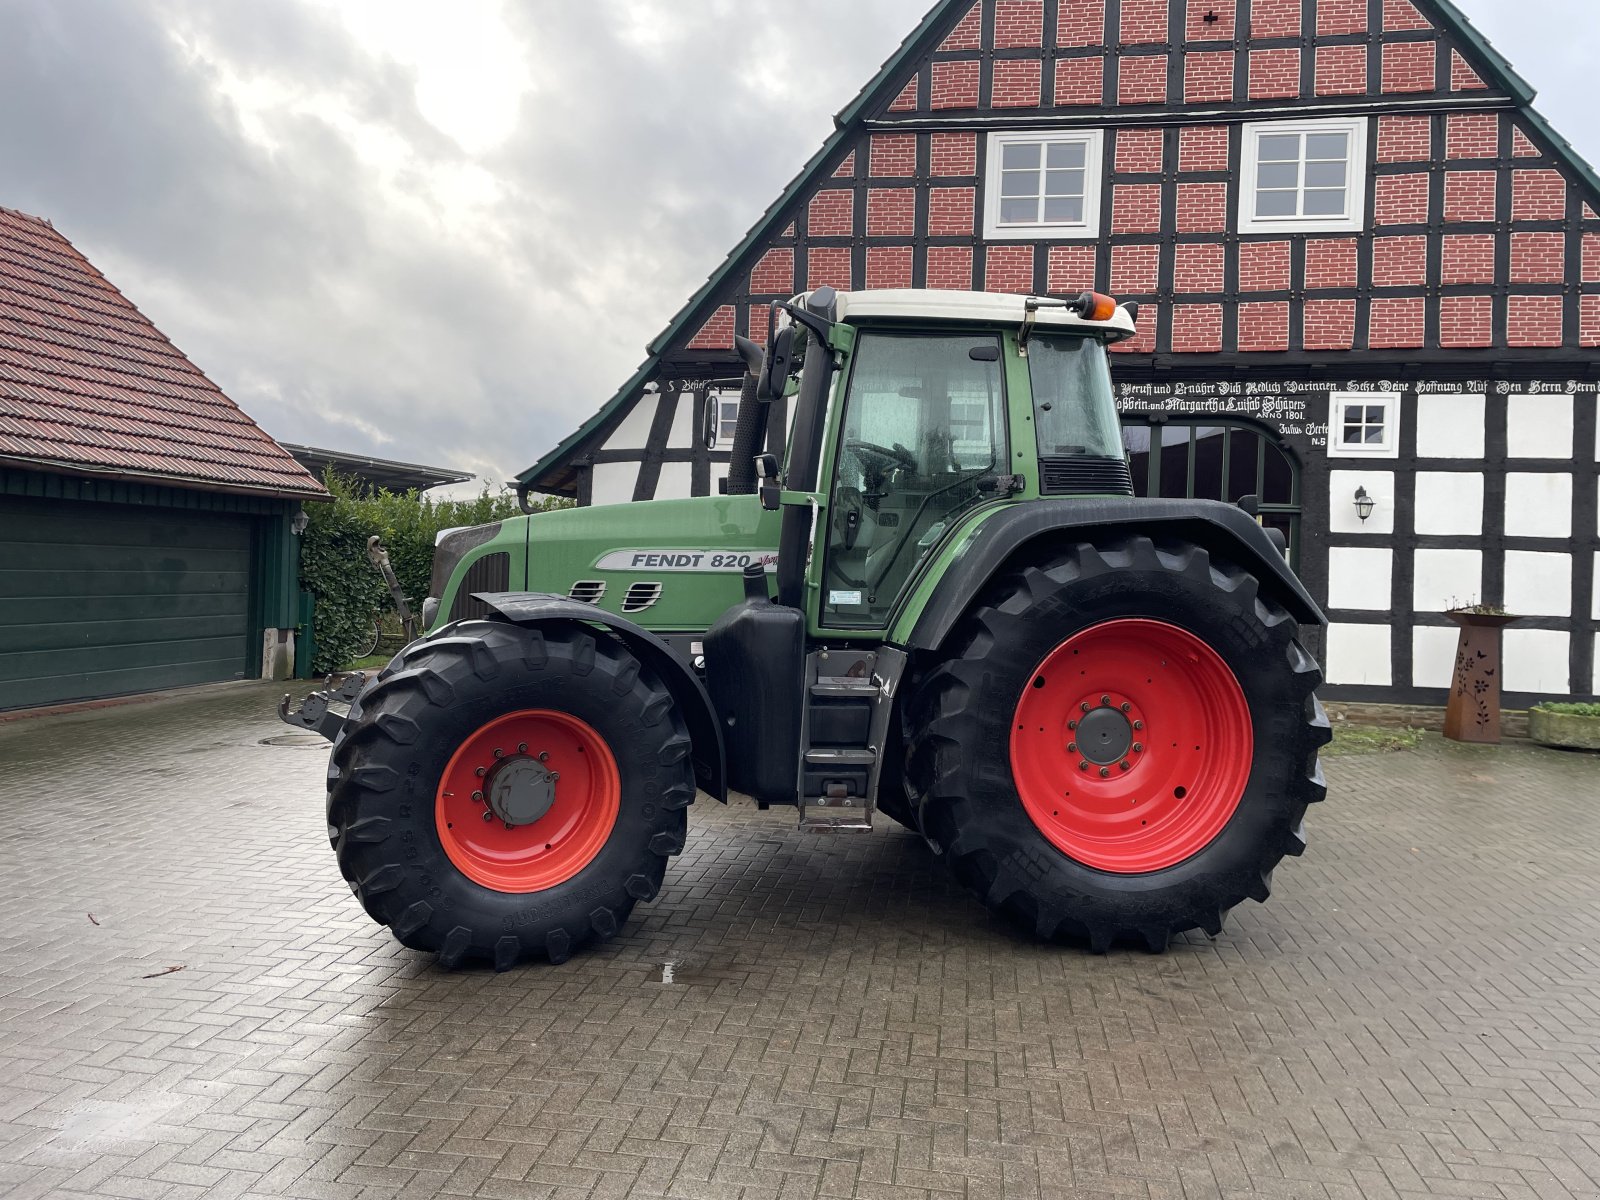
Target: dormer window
1043 185
1303 176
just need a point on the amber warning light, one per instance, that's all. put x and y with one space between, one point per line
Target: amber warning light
1093 306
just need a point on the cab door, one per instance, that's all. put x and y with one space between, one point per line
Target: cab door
920 440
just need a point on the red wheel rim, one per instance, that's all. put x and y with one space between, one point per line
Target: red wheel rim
1158 797
536 849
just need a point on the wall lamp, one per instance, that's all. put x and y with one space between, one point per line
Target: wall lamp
299 521
1364 504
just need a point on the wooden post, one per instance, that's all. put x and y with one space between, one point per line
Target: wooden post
1473 713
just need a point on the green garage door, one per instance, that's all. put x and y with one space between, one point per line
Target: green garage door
104 600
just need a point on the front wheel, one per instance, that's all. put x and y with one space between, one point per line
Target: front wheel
502 793
1122 743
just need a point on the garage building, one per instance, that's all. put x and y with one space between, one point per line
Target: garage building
147 525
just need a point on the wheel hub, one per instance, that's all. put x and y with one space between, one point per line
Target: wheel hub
521 791
1104 736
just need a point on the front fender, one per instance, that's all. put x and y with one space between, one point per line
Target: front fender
705 732
1220 528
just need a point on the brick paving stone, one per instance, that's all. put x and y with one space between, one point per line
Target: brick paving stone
1415 1013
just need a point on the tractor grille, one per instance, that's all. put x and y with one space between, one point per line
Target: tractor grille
588 591
1084 476
640 597
491 573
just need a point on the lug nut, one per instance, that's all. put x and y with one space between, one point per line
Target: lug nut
509 825
1072 724
522 747
1083 766
477 795
544 756
1138 747
1123 764
499 753
1104 772
1084 706
1072 747
1138 724
1106 700
482 771
554 775
1126 707
488 816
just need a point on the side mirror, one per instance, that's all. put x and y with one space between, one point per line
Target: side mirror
770 488
780 358
711 419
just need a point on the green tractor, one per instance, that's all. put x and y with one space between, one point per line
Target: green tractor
928 591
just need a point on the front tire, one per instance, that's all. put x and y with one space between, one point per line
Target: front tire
1121 743
502 794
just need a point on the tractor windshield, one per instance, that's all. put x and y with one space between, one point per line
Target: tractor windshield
1075 412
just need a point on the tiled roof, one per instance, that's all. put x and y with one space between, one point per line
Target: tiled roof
88 384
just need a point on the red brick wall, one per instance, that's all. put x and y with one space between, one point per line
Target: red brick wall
905 208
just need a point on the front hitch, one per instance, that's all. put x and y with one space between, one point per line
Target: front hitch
316 711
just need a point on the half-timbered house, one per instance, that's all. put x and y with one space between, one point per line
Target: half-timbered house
1368 274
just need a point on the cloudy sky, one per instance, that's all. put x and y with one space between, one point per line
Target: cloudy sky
445 232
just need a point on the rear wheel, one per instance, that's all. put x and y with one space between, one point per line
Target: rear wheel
503 793
1122 743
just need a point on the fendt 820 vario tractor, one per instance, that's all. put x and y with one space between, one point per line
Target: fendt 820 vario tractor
940 601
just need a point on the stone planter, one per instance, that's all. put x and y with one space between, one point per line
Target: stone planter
1568 731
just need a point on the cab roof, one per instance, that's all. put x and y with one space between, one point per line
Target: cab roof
986 308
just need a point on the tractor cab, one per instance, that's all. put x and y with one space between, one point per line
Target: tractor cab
915 414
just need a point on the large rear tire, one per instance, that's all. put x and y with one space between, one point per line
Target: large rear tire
1120 744
502 793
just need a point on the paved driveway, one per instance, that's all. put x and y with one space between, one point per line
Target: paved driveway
1416 1012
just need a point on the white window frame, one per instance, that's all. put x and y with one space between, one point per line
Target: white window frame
1389 402
727 417
1093 142
1355 178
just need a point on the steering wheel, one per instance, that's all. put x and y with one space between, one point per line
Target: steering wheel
880 458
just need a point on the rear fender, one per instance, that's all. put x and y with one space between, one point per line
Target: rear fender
1007 535
532 609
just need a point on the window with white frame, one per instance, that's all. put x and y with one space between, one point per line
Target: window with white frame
1303 176
1043 185
727 420
1364 425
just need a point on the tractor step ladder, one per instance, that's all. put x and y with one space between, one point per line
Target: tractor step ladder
843 731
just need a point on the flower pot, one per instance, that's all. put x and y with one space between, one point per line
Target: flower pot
1473 712
1568 731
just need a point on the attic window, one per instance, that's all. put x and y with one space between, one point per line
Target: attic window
1303 176
1043 185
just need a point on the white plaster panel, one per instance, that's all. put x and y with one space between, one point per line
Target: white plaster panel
1446 579
1538 585
613 483
1450 426
682 435
1359 654
1342 487
1433 655
1536 660
676 481
1539 426
634 432
1595 595
1538 505
1449 502
1359 578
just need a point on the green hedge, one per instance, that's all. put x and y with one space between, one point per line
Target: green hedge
333 556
